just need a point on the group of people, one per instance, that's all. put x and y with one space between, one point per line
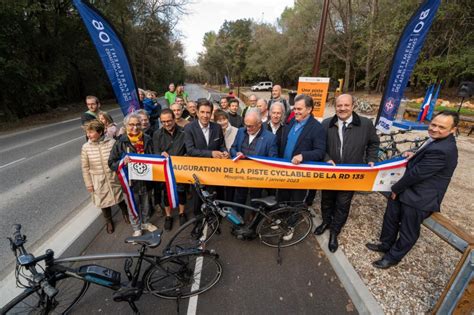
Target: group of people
271 128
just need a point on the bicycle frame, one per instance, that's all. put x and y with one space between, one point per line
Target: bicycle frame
133 278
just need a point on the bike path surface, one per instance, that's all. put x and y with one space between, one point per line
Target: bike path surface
252 282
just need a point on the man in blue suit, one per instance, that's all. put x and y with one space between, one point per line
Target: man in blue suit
302 140
204 138
419 192
253 139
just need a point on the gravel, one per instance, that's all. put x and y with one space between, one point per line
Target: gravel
415 284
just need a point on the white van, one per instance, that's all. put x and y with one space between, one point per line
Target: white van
262 86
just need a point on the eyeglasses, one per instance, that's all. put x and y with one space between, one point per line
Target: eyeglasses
134 125
251 126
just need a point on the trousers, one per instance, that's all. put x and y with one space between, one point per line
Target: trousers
401 228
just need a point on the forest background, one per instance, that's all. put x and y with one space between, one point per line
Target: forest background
47 58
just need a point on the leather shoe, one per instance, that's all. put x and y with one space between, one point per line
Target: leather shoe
384 263
321 228
376 247
333 245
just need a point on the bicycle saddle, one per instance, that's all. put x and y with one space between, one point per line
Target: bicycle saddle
268 201
151 240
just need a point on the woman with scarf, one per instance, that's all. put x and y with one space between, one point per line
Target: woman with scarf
135 141
100 180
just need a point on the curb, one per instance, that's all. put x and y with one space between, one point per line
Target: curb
71 239
363 300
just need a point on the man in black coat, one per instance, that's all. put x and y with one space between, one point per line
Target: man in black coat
204 138
302 140
419 192
169 141
351 139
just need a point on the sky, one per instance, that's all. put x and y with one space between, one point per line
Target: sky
209 15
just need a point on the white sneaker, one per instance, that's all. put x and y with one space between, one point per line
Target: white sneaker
288 235
276 226
137 233
149 227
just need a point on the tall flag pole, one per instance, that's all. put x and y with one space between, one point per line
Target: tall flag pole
426 103
113 54
403 62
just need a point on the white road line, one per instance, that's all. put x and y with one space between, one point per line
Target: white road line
61 144
192 305
23 158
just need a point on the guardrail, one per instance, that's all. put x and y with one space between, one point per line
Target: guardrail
458 295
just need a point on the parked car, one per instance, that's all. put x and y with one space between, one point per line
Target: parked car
262 86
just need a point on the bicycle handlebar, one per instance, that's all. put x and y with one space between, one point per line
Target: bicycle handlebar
29 261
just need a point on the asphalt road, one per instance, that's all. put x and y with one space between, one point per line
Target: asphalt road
252 281
41 182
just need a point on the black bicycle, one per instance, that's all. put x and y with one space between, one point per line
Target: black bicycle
391 148
57 288
276 225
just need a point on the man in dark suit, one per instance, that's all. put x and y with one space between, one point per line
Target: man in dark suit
204 138
252 139
351 139
419 192
302 140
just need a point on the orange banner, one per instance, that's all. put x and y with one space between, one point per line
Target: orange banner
317 88
257 174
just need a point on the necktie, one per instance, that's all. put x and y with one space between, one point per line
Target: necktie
344 127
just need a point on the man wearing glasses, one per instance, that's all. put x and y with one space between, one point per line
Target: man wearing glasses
252 140
93 105
169 140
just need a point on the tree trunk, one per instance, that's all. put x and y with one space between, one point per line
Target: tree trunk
347 74
370 45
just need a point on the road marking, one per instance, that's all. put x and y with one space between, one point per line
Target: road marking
61 144
192 305
23 158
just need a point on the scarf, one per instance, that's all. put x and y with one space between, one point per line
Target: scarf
137 142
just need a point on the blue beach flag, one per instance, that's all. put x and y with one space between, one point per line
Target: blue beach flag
429 116
426 103
113 55
403 62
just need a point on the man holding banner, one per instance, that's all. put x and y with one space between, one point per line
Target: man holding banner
302 140
419 192
351 139
204 138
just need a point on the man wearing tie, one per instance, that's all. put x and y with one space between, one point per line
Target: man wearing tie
351 139
419 192
204 138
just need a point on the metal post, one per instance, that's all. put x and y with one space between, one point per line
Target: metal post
319 44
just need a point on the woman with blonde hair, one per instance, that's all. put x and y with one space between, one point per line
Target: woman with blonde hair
99 179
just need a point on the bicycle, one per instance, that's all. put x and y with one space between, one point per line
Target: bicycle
276 225
390 148
57 288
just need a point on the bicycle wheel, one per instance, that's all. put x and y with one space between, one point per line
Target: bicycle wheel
284 227
183 275
193 234
35 301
